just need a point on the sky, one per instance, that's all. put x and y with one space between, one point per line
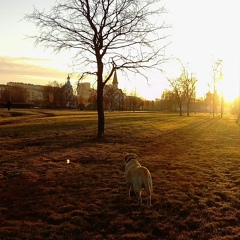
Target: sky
202 31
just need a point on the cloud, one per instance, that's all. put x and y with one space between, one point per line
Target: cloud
26 69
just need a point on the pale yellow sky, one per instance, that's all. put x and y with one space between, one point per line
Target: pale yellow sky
202 32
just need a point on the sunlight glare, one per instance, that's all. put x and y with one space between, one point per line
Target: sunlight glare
229 90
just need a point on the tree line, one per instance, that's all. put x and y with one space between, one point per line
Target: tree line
56 95
111 35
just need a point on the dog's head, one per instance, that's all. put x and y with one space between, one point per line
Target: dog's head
130 156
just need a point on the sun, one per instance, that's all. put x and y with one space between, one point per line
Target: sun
229 89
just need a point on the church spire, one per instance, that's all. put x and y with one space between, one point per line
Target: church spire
68 80
115 80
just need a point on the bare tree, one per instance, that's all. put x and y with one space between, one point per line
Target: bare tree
184 88
217 76
17 94
109 97
189 85
52 94
169 99
179 92
105 35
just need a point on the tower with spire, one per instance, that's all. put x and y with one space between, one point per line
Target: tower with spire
67 93
68 81
115 80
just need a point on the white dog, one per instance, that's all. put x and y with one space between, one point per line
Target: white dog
138 177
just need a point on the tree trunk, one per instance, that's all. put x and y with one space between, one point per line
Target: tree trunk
238 119
222 106
180 109
214 100
188 110
100 109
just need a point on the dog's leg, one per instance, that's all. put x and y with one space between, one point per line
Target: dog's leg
139 198
128 189
148 188
149 201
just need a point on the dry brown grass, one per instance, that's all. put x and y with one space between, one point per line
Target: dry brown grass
194 161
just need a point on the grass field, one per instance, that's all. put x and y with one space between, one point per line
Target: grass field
194 161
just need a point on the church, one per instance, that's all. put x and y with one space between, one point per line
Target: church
113 96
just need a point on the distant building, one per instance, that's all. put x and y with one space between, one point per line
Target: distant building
28 95
113 96
34 92
68 98
84 92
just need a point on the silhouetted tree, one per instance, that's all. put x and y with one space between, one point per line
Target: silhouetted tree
169 99
109 97
184 89
16 94
81 102
92 100
179 92
189 83
106 35
52 94
217 76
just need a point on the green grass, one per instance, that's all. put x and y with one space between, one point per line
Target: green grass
194 161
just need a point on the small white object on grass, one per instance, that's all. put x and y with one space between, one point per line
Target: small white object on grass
68 161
